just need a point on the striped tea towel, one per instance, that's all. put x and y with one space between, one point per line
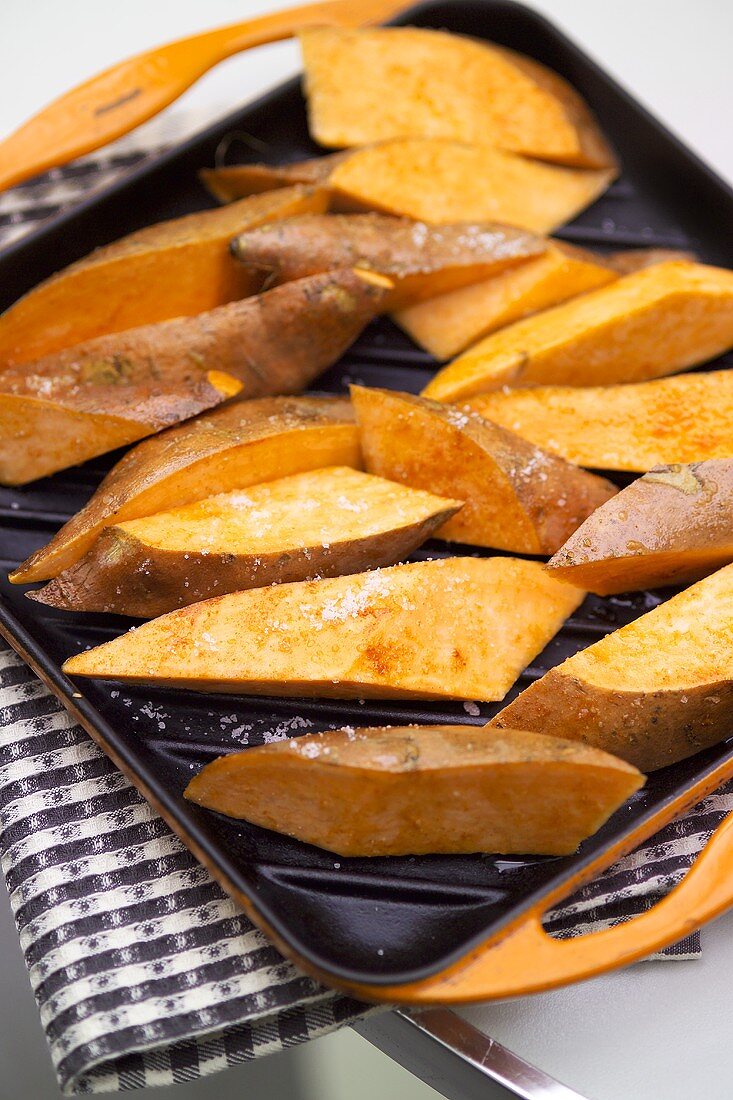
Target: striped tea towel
145 972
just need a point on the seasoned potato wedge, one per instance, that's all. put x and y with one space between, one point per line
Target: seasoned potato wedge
444 181
517 497
239 180
656 321
633 427
375 84
672 526
416 790
47 424
120 388
359 636
172 269
231 448
653 692
447 325
420 260
322 523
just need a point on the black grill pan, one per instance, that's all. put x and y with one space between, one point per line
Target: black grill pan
380 921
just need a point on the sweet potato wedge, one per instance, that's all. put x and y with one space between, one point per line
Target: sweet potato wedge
653 692
236 181
440 182
517 497
47 423
420 260
447 325
357 636
672 526
368 85
659 320
416 790
119 388
322 523
172 269
634 427
231 448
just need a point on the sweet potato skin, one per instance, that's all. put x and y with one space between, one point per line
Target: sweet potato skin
353 637
654 692
672 526
517 498
155 376
636 259
373 85
128 571
447 325
172 269
656 321
642 728
421 260
233 447
628 427
421 790
444 181
239 180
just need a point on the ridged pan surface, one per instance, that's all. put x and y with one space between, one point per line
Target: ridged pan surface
380 920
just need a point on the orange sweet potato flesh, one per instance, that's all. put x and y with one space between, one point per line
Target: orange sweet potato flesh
656 321
353 637
323 523
633 427
439 181
420 260
171 269
672 526
368 85
652 693
417 790
239 180
231 448
447 325
517 497
157 375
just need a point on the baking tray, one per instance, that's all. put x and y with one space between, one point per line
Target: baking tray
383 927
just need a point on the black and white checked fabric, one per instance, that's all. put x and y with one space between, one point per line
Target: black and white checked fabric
145 972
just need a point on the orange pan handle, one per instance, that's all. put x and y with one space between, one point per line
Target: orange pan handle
530 961
122 97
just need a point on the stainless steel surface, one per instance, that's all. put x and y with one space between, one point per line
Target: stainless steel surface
488 1056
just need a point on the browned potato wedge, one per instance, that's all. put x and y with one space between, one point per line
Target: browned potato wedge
374 84
322 523
672 526
447 325
47 423
517 497
416 790
231 448
420 260
453 628
634 427
654 692
120 388
656 321
238 180
172 269
444 181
